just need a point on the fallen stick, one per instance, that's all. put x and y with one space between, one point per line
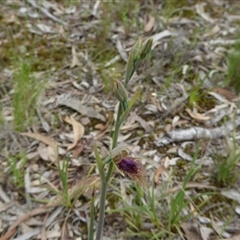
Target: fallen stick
196 133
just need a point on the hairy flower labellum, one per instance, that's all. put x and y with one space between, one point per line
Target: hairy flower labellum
131 167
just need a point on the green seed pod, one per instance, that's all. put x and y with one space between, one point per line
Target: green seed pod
120 91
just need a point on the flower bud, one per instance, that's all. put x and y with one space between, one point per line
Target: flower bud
146 48
120 91
137 54
136 51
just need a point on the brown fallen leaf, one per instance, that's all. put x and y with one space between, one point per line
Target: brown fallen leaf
197 116
47 140
149 25
78 131
8 234
224 92
159 171
99 126
77 150
26 216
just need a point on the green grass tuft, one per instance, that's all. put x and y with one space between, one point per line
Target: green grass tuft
233 74
226 168
27 89
16 165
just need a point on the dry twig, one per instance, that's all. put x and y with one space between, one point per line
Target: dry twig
196 133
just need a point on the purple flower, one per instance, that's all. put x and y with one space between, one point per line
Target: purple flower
131 167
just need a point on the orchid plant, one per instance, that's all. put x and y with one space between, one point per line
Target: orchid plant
118 156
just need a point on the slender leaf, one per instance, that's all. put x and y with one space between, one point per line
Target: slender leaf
99 164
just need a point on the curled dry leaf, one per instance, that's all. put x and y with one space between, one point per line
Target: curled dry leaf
197 116
78 131
149 25
99 126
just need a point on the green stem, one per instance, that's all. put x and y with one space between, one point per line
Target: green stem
122 107
102 210
109 173
114 144
133 63
91 225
